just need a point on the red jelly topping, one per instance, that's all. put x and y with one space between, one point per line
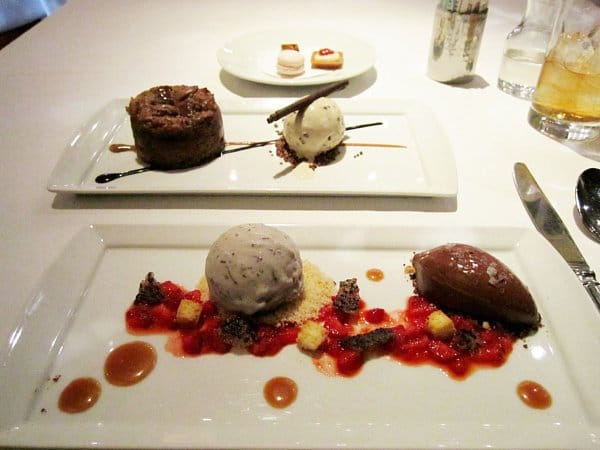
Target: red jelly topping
402 335
326 51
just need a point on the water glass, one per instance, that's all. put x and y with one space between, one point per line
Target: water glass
526 46
566 101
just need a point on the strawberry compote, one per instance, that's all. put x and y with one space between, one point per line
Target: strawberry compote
351 337
205 336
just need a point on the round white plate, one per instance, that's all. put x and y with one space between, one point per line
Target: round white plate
254 56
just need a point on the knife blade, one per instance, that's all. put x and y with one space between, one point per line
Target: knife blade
550 225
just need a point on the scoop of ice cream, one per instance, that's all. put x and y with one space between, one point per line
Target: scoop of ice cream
252 268
315 130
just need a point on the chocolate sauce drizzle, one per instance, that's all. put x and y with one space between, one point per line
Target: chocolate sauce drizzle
116 148
108 177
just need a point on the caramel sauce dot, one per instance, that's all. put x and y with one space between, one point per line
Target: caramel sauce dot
79 395
129 363
280 392
119 148
534 394
375 274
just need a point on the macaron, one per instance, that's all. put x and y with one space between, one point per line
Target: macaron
290 63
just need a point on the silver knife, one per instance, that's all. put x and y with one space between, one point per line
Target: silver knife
550 225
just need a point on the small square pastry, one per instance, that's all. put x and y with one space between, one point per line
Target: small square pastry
290 47
327 59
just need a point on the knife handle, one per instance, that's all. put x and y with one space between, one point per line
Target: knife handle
587 277
593 289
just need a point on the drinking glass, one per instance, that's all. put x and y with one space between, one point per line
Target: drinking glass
566 101
526 46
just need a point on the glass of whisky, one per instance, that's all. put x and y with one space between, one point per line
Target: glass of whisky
566 101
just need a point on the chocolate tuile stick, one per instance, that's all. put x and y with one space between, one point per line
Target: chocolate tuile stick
307 100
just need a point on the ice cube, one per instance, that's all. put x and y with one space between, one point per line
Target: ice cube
595 37
574 50
594 62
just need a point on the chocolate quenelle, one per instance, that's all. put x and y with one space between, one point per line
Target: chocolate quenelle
467 280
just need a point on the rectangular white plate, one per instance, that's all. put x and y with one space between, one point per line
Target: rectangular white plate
77 316
425 167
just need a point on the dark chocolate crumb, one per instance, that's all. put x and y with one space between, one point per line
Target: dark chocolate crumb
348 297
149 292
362 342
237 330
283 150
465 340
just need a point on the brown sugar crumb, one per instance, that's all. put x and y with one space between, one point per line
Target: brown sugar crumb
348 297
318 290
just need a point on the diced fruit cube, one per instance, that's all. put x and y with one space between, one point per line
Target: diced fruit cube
311 336
287 335
335 325
192 342
188 313
171 291
414 346
139 317
440 326
163 315
375 315
194 295
209 309
173 294
213 341
349 362
441 351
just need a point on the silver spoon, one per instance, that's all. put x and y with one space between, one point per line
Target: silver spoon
587 198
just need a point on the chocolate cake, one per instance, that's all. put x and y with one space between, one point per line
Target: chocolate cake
175 127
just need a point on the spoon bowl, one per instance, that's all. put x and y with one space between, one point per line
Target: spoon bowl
587 198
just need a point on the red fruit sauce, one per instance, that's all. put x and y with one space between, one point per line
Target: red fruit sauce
472 346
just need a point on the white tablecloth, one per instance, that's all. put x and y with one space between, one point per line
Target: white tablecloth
63 70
